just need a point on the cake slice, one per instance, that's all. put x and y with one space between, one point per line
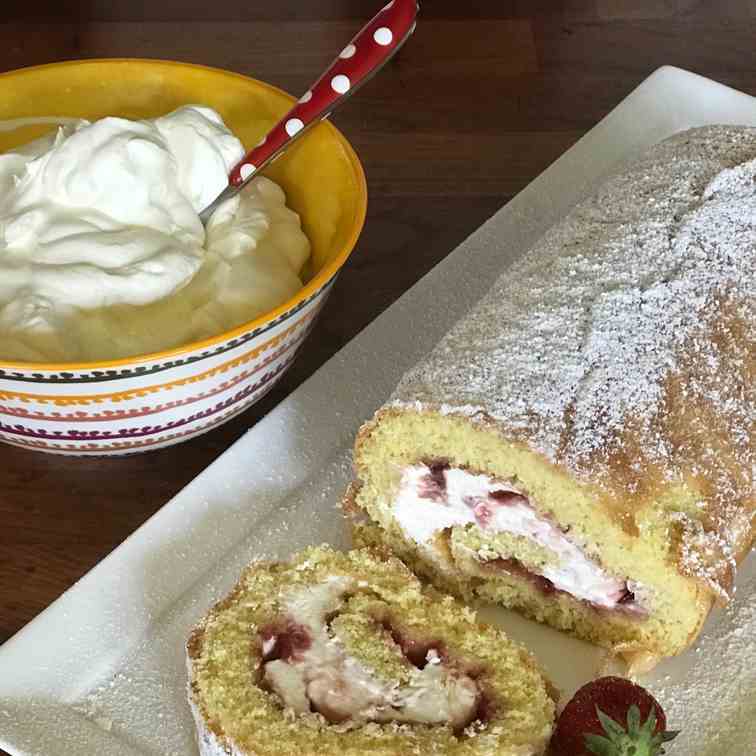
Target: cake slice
335 653
580 446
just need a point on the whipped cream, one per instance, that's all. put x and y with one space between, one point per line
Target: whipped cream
320 675
103 254
423 508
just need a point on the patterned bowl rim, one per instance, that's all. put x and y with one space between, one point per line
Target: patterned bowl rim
306 293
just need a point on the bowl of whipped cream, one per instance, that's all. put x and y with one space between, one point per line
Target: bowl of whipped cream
125 325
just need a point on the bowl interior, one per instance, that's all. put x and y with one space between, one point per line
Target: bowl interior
320 174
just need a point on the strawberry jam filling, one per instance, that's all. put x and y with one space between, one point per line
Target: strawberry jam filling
421 652
286 640
309 668
435 497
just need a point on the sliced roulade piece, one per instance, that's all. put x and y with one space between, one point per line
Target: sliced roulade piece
581 445
337 653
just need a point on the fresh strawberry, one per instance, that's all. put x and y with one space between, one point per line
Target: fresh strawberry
611 716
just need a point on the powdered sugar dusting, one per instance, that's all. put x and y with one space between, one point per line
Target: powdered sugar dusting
623 346
711 708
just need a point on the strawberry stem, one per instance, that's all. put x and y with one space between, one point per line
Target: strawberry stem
638 739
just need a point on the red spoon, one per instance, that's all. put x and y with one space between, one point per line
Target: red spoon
358 62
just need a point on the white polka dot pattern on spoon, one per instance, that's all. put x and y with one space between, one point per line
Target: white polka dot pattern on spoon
383 36
293 126
340 83
356 62
262 141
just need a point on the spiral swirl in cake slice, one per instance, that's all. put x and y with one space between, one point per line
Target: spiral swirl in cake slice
336 653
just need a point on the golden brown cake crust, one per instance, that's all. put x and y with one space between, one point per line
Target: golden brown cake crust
622 347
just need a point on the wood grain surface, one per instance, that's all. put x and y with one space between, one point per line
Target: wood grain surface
483 98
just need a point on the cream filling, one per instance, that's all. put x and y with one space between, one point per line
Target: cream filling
422 510
325 678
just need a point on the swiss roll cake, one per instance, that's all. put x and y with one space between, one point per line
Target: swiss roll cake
580 446
347 653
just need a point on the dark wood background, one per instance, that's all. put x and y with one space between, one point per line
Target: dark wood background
481 100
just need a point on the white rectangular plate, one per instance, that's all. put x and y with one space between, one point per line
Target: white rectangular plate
101 670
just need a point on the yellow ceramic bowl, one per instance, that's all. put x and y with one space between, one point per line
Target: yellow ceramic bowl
142 403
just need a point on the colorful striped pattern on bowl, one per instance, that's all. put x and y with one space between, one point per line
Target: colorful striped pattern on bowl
150 404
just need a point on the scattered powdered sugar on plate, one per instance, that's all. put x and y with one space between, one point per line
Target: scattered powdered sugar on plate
623 345
713 704
143 702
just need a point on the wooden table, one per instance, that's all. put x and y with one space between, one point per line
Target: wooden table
481 100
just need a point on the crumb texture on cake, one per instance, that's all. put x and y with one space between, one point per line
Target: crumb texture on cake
609 377
348 653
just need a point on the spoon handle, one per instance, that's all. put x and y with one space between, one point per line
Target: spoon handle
375 44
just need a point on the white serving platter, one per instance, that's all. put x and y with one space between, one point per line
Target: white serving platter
101 671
